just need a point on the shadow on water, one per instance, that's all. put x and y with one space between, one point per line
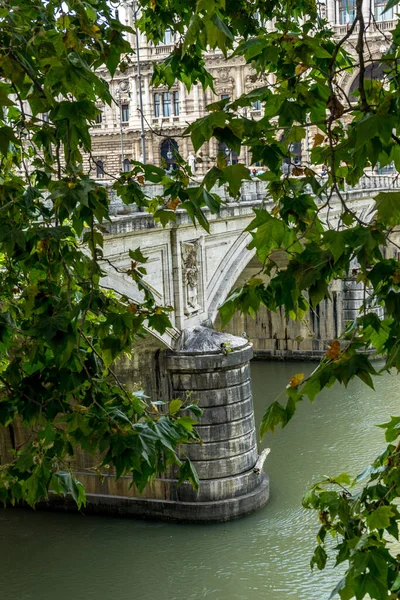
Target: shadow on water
44 556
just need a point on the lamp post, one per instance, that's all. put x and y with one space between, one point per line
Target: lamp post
121 131
246 147
132 6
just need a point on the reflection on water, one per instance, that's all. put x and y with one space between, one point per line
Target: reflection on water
47 556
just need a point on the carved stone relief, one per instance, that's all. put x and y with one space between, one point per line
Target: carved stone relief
191 276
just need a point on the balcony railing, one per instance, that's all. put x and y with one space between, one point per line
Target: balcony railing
377 27
166 121
164 49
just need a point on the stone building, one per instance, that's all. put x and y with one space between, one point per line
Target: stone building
166 113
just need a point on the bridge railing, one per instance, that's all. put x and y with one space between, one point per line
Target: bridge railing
256 191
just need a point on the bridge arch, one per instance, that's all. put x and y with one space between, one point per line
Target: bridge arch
273 334
232 265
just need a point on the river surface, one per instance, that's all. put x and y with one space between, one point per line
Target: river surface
49 556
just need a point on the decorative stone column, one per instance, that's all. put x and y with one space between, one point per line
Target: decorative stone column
331 11
213 368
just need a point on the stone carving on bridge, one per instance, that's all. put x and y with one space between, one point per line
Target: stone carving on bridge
191 275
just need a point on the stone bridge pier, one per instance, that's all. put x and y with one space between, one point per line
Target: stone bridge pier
194 271
212 369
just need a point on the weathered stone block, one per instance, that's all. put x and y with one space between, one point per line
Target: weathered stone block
222 448
219 397
228 413
231 429
210 380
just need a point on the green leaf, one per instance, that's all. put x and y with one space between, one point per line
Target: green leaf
319 558
211 200
380 518
275 415
7 136
195 409
137 255
388 207
234 175
338 588
187 472
70 485
311 388
174 406
390 4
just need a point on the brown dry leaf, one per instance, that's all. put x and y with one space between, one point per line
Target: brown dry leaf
132 308
173 205
335 106
296 379
140 179
318 139
297 171
334 350
300 69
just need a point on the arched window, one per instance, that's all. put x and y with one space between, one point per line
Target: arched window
231 156
99 168
126 165
169 151
373 71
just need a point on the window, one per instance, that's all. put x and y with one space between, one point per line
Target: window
380 6
125 113
347 11
126 165
388 169
165 105
296 151
231 156
99 168
166 102
257 105
99 117
157 111
175 96
168 37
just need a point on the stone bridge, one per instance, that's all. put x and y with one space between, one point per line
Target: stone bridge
194 271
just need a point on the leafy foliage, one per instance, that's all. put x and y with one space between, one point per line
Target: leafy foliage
60 331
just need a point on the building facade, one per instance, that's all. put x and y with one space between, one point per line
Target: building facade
162 114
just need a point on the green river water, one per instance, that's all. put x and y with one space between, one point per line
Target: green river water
49 556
